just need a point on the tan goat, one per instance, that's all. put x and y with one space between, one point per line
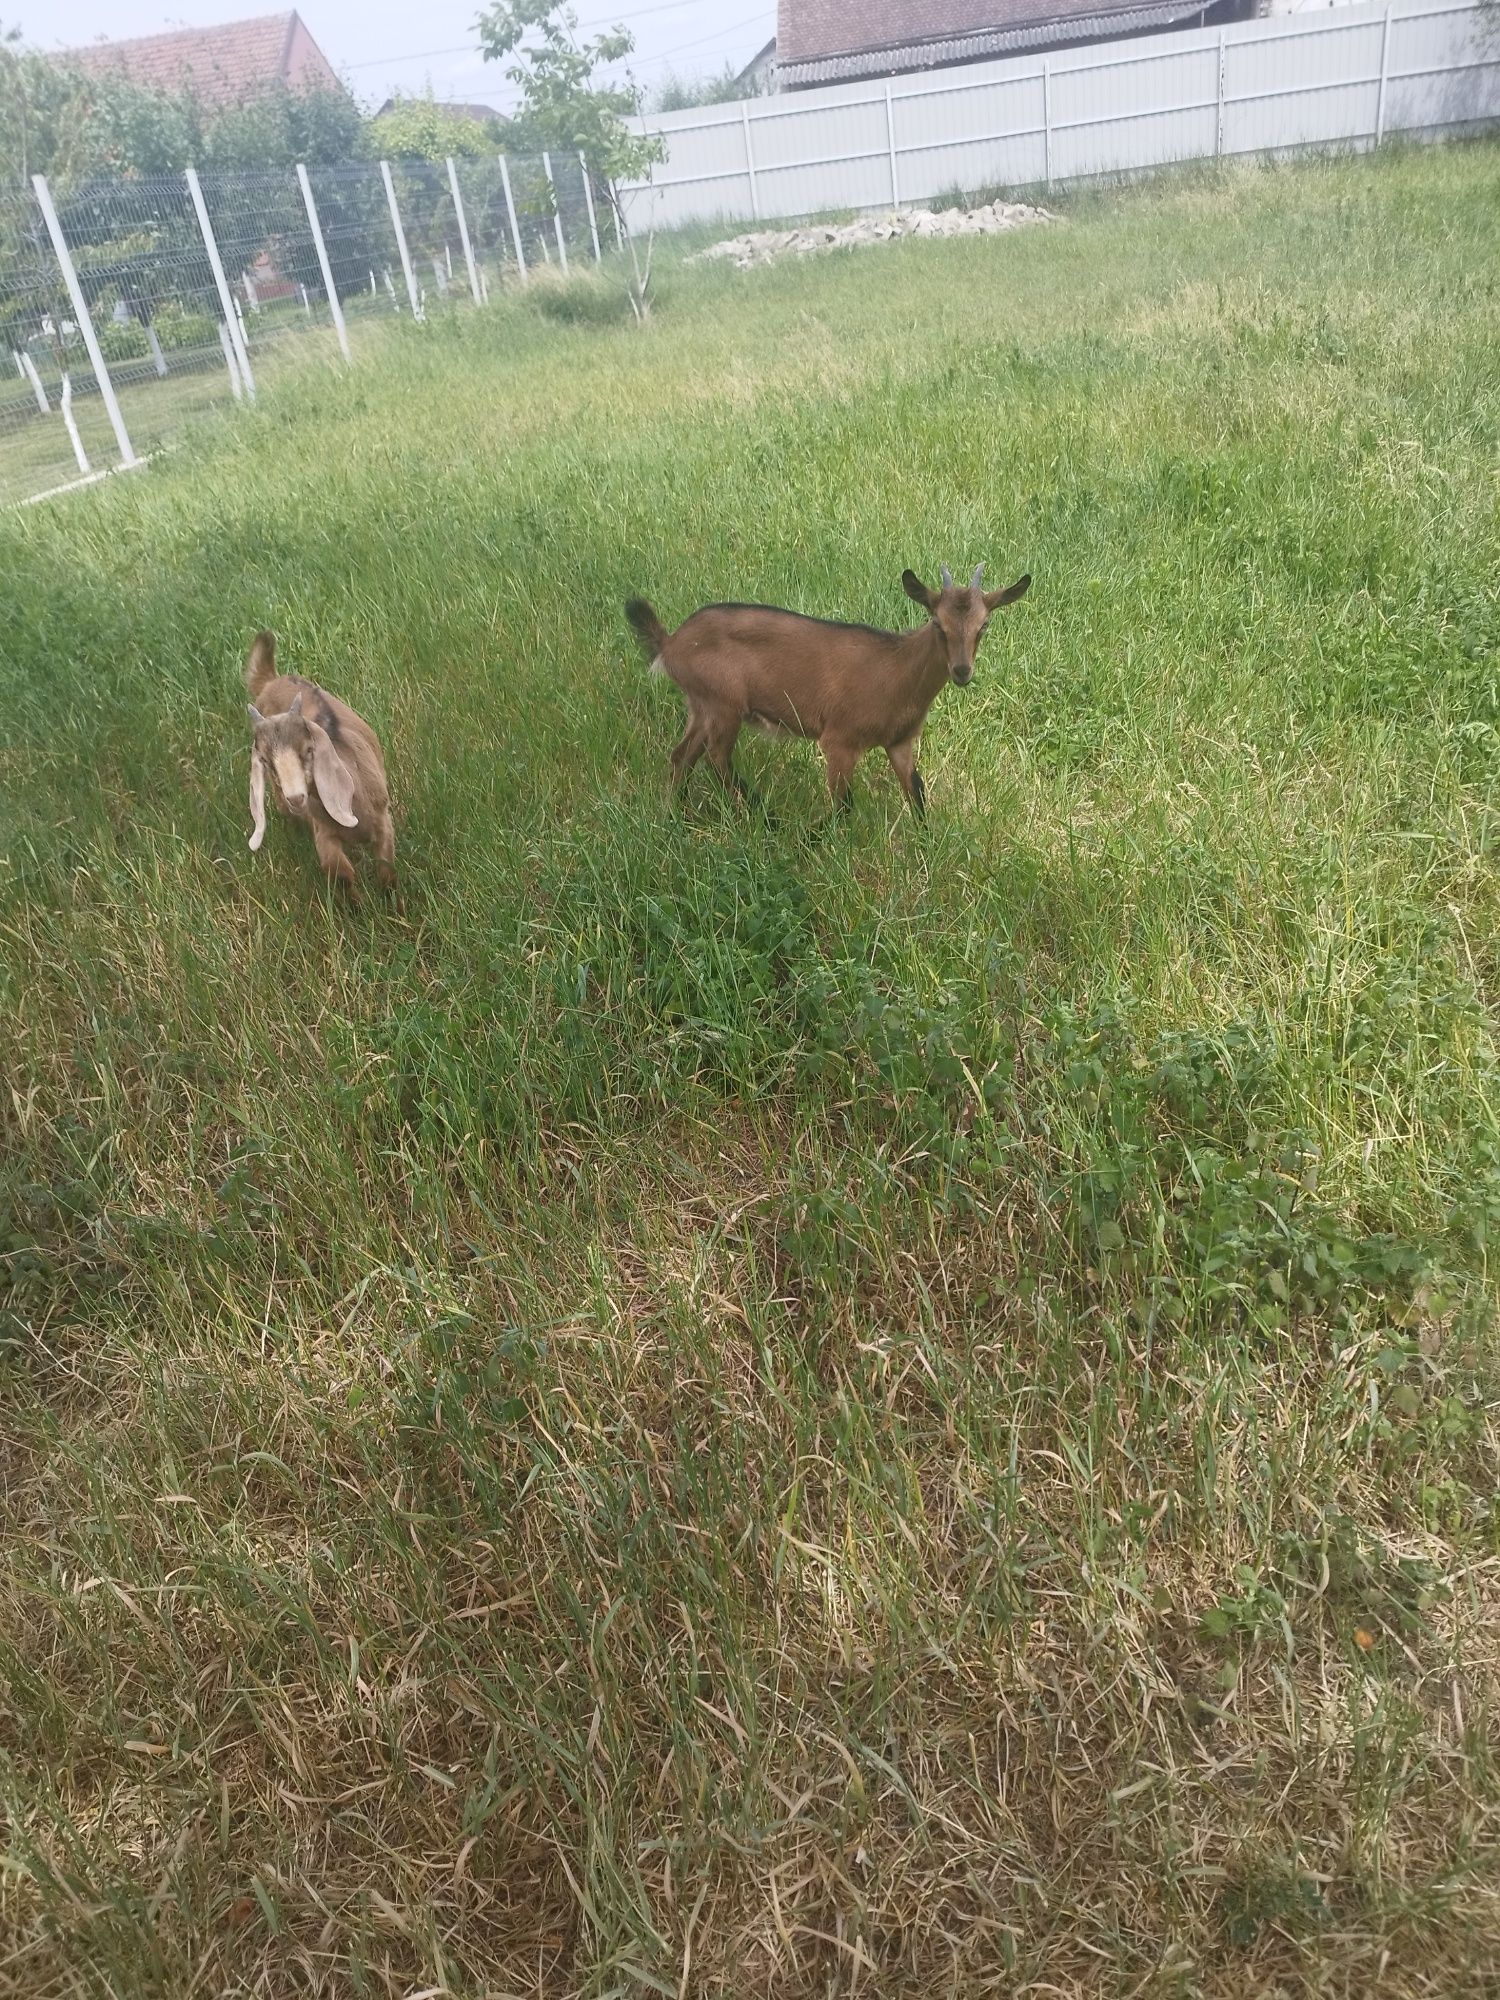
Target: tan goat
323 765
848 687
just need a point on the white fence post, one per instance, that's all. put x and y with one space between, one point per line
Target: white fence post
28 374
562 245
408 272
463 232
515 227
216 265
1047 123
588 195
890 140
67 416
231 362
1219 134
85 322
750 159
1385 70
323 265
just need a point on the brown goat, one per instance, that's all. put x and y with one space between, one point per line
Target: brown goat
849 687
323 765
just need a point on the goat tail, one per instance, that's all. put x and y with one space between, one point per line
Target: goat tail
261 665
647 627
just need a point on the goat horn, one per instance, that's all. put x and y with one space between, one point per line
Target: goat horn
947 577
978 577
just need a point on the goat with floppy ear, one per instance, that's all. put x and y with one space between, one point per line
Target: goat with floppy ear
321 763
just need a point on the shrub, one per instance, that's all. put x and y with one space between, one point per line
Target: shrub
176 328
123 341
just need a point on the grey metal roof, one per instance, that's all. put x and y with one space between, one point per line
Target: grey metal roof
985 43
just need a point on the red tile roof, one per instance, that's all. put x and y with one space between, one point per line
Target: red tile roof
222 65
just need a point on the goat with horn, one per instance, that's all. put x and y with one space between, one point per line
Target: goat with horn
848 687
321 763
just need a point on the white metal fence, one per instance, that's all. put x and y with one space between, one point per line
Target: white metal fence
1348 76
129 307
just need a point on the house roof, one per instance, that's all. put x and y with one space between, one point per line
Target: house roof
223 65
762 60
825 41
482 114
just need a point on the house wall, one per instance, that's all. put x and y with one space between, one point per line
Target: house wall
1264 86
307 68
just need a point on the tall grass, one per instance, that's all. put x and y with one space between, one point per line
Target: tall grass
716 1405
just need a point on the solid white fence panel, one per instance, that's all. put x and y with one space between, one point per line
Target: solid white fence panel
1385 70
1299 88
1138 112
1444 72
822 150
750 160
971 132
1262 86
715 171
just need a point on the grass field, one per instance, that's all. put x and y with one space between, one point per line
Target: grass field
36 457
715 1405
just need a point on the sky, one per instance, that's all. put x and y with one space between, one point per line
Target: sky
381 46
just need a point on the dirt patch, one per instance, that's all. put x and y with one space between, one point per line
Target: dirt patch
764 246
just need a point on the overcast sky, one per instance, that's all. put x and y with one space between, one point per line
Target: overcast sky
380 46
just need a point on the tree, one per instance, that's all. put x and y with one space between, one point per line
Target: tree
419 128
687 93
113 152
565 106
42 117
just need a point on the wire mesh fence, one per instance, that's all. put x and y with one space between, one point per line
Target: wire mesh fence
196 291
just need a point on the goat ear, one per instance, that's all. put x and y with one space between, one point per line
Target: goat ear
257 800
917 591
256 718
993 599
331 776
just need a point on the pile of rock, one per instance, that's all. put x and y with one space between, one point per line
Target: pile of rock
765 245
